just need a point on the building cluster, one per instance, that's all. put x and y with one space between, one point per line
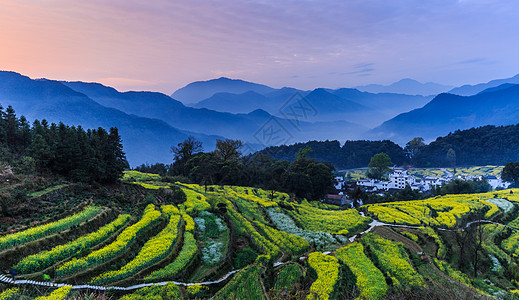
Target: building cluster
399 179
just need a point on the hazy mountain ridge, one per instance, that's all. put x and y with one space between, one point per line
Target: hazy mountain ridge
352 105
407 86
200 90
151 122
469 90
448 112
244 126
144 139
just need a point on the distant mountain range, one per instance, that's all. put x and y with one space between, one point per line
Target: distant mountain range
469 90
407 86
448 112
352 105
150 123
144 139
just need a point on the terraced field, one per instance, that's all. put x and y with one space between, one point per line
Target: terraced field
228 242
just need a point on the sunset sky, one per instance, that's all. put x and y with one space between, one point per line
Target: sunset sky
162 45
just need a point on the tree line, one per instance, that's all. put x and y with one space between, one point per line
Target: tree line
92 155
304 177
487 145
353 154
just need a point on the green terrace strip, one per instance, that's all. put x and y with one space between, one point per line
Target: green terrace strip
139 176
285 223
35 233
169 291
369 280
289 243
46 191
335 222
185 256
10 294
45 259
392 259
214 233
453 273
58 294
245 285
489 236
195 201
442 249
288 276
327 268
156 249
245 227
110 251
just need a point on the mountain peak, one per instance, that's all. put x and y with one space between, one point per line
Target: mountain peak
406 86
200 90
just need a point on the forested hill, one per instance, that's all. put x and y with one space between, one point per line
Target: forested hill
353 154
488 145
93 155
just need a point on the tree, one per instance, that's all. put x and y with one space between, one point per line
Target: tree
228 149
413 146
379 166
451 158
303 153
183 152
510 173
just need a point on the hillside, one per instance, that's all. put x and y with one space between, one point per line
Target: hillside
144 139
488 145
448 112
148 237
352 154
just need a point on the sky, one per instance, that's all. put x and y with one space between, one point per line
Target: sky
162 45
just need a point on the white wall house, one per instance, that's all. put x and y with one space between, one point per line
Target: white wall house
399 179
497 182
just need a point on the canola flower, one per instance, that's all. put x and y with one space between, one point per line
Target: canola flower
244 285
185 256
34 233
393 260
446 211
45 259
169 291
243 226
10 294
327 268
289 243
285 223
139 176
335 222
110 251
58 294
157 248
370 281
196 289
195 201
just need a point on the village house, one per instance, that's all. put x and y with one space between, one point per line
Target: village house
399 179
